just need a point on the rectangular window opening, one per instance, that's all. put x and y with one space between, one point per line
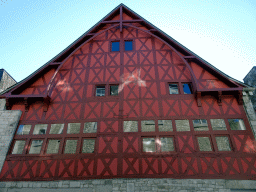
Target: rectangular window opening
173 88
187 88
113 90
165 125
148 126
100 91
182 125
90 127
88 146
130 126
128 46
218 124
115 46
167 144
223 143
23 129
236 124
70 146
18 147
53 146
200 125
204 144
35 147
149 144
40 129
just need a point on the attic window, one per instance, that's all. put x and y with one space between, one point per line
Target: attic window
115 46
128 45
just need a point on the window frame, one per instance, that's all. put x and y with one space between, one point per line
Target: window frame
98 86
129 40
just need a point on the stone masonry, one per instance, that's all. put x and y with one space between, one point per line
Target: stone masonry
8 123
5 80
131 185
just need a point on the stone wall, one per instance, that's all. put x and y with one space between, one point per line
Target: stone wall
249 109
8 123
5 80
131 185
250 79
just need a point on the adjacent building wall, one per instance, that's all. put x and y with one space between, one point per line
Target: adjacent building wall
5 80
9 120
250 79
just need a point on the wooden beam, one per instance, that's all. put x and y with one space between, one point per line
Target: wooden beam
189 57
121 19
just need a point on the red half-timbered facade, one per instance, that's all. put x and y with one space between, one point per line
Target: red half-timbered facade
126 100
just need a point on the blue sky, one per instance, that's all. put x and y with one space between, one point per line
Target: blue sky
220 31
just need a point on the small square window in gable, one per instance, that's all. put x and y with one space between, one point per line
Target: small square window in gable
173 88
100 91
115 46
128 45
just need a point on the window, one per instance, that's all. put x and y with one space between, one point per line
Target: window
223 143
236 124
173 88
200 125
56 128
73 128
23 130
113 89
70 146
53 146
40 129
165 125
204 144
130 126
88 146
18 147
128 46
182 125
148 126
166 144
35 147
100 91
218 124
149 144
187 88
115 46
90 127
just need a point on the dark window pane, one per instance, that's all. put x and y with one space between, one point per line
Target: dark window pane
236 124
115 46
100 91
128 46
173 89
187 88
23 129
114 90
